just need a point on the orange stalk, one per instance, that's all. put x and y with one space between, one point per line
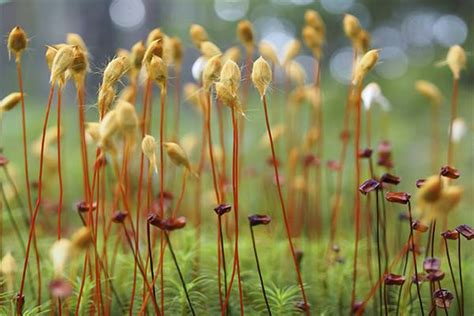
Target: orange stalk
38 203
357 194
283 209
60 177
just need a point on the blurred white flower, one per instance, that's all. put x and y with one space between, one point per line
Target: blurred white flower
198 68
373 94
459 130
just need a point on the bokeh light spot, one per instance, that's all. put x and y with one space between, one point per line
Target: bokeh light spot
450 30
393 63
341 65
231 10
127 14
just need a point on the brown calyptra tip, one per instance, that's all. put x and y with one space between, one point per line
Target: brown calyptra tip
311 160
119 216
398 197
83 206
449 172
167 224
394 279
418 278
431 264
390 178
420 182
466 231
60 288
302 306
153 219
419 226
258 219
385 154
435 276
335 248
365 153
443 298
223 208
3 160
369 186
450 234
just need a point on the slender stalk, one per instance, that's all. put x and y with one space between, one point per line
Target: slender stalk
177 103
211 153
150 255
181 194
377 233
219 258
235 189
60 177
183 283
452 272
384 230
259 271
403 273
223 176
414 258
27 176
282 204
460 276
357 194
385 299
38 201
142 271
81 288
222 253
162 180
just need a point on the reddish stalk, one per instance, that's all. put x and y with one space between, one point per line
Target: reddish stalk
181 194
211 152
38 203
85 161
60 177
357 195
162 179
235 189
81 289
245 98
223 177
139 194
282 203
414 258
452 272
142 271
177 104
25 166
